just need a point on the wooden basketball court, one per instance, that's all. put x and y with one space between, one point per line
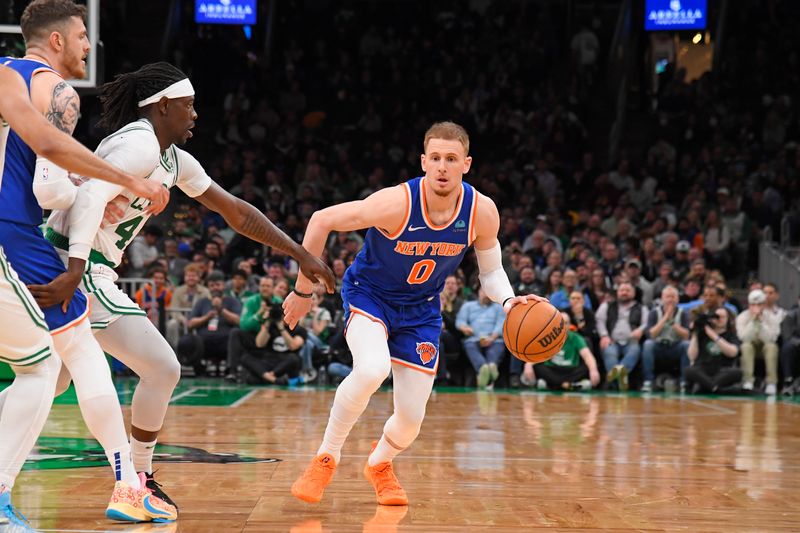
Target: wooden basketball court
501 461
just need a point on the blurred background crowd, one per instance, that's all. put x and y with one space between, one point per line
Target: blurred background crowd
648 239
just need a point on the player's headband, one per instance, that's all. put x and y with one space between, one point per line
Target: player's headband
179 89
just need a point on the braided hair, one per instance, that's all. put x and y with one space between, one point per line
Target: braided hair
121 97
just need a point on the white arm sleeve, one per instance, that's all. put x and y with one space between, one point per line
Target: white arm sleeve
52 186
136 153
493 278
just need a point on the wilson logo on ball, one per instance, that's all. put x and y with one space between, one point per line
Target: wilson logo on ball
548 339
426 351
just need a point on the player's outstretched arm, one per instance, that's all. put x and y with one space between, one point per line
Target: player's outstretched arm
493 277
250 222
60 148
385 209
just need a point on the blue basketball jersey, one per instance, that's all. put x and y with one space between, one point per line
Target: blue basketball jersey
410 267
18 161
33 258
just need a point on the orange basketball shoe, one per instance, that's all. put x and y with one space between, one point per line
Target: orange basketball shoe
311 485
387 487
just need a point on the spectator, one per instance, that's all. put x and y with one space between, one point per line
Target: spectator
621 326
528 284
182 301
573 366
560 298
450 339
712 351
668 332
772 306
596 292
481 323
143 251
238 287
280 362
716 241
257 312
583 319
211 321
316 325
175 263
633 267
790 351
758 332
154 302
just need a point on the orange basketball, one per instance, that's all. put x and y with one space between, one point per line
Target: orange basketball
534 332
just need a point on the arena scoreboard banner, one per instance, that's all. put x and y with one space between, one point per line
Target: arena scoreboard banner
225 12
672 15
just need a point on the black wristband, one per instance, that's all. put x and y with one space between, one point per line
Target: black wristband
507 299
302 294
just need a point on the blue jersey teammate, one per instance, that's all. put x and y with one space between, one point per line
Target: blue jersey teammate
418 233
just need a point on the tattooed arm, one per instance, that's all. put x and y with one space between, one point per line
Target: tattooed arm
65 107
250 222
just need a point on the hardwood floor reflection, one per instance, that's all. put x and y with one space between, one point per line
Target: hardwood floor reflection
483 461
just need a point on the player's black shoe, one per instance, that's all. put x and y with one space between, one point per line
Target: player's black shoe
155 487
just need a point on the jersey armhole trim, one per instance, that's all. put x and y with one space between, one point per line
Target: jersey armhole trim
473 215
406 218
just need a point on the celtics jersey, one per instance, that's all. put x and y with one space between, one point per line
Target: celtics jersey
134 149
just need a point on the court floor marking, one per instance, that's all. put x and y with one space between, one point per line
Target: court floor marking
187 392
244 398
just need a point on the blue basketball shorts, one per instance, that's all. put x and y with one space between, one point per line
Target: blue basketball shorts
412 331
36 263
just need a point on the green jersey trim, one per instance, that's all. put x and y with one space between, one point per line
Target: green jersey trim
62 242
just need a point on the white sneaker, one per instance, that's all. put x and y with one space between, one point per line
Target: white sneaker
585 384
771 389
647 386
525 381
541 384
747 385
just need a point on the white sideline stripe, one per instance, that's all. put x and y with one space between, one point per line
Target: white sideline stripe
244 398
185 393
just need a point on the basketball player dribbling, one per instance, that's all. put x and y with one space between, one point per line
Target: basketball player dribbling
418 234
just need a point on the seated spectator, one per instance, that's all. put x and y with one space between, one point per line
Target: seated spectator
574 366
621 326
256 313
560 298
644 289
316 325
238 287
279 362
211 322
790 351
712 351
758 330
583 320
183 299
668 338
772 306
481 323
527 283
450 338
596 290
712 298
154 302
143 253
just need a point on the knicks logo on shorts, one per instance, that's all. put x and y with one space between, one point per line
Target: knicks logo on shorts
426 351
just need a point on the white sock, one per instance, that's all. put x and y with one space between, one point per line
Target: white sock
142 453
384 452
120 459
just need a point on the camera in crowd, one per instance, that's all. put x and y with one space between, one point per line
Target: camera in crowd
275 313
703 320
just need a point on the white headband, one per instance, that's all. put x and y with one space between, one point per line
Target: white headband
179 89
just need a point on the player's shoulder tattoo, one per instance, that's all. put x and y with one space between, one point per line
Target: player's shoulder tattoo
64 109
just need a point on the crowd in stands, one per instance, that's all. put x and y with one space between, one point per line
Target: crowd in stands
644 255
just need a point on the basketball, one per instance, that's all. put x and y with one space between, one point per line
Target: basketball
534 332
